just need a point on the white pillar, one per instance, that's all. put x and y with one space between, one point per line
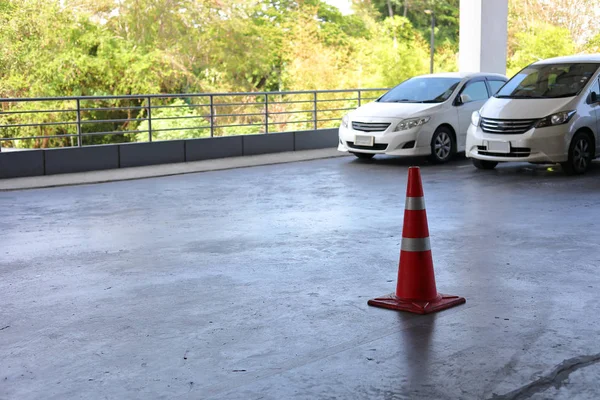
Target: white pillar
483 35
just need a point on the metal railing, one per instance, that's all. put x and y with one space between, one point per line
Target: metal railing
87 120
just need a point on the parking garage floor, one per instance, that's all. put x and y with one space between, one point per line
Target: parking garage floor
253 284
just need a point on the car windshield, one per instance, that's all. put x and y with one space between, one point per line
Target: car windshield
421 90
548 81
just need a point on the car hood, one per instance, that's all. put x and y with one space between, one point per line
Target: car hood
523 108
393 110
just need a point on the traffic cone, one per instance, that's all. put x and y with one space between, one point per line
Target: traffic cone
416 291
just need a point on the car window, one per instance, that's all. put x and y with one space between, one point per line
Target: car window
495 86
421 90
475 91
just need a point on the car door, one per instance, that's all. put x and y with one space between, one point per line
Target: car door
595 109
471 98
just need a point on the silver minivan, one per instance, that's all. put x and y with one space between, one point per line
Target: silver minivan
549 112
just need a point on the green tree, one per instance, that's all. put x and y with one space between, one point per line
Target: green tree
593 45
445 11
538 42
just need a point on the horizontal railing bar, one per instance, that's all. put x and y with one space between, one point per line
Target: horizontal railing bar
113 97
167 118
180 95
113 133
179 106
179 129
38 124
291 92
291 112
291 102
112 108
239 104
36 111
330 100
336 109
183 117
233 126
144 119
37 137
106 121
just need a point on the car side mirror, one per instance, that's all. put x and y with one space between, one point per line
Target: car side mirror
463 99
593 97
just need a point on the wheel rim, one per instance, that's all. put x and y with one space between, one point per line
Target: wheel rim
442 145
581 154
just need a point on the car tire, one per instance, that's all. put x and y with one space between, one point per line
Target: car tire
364 156
484 164
443 146
580 155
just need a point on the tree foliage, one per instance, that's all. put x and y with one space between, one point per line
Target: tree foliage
538 42
446 14
539 29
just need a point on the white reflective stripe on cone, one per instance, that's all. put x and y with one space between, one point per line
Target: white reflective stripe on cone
415 203
415 244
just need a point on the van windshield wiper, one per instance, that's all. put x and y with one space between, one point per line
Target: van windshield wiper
410 101
517 97
536 97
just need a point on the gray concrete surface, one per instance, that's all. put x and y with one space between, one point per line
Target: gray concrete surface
253 284
150 171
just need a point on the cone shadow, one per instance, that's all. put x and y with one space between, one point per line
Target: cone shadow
417 343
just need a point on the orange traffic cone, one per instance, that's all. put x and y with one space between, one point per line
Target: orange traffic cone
416 291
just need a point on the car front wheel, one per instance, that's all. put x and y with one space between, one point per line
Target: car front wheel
580 155
442 146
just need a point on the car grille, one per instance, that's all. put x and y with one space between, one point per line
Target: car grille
515 152
370 126
376 146
507 126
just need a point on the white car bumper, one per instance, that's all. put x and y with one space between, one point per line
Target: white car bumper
548 144
411 142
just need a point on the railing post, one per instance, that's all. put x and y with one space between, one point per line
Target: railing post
266 113
315 109
212 116
149 119
79 141
359 97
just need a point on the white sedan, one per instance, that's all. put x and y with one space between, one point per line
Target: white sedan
426 115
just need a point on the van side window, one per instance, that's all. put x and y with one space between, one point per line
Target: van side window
476 91
495 86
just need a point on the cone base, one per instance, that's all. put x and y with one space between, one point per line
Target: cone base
392 302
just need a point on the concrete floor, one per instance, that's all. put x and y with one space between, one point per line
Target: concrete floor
253 284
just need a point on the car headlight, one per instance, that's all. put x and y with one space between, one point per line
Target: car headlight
475 118
555 119
345 120
410 123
